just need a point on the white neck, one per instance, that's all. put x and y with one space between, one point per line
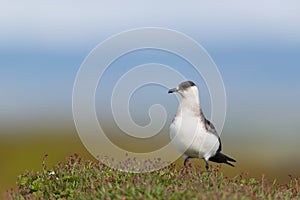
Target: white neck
190 103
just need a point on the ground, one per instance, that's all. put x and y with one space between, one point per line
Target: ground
77 178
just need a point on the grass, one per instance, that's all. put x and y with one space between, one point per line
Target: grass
77 178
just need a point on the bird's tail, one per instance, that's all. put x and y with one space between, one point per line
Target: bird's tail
221 158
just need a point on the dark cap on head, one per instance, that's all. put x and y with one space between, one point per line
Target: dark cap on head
185 85
182 86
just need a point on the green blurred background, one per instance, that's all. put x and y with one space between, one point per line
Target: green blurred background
256 46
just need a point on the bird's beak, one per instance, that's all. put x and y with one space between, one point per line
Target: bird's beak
173 90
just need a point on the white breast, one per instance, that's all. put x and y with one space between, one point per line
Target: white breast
189 136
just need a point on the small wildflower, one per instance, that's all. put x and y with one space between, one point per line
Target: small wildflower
51 173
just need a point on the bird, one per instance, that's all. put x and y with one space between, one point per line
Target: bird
191 133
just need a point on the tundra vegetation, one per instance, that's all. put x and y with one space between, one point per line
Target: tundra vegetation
77 178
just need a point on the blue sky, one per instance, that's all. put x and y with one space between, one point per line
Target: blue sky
256 46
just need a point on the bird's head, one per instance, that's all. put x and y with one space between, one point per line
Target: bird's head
186 89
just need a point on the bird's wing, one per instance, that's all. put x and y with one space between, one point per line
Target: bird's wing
211 128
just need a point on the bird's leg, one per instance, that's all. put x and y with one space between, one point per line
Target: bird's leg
186 160
206 166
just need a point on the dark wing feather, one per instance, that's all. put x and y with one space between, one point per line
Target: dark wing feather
210 128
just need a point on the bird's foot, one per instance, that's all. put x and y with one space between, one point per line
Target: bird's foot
207 166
